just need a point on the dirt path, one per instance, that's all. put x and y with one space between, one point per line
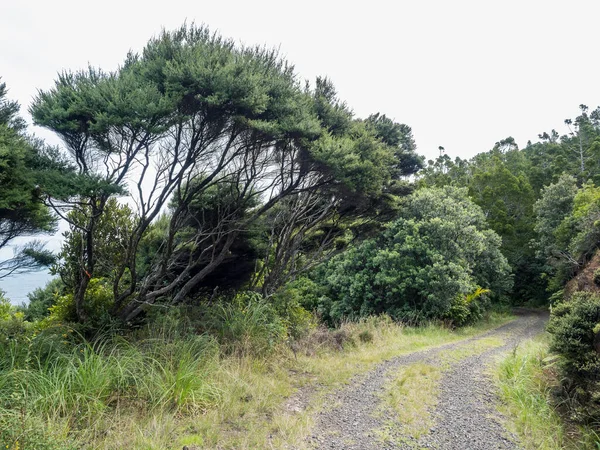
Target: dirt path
464 417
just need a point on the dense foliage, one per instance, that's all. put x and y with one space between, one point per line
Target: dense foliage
438 260
542 200
22 213
575 327
194 120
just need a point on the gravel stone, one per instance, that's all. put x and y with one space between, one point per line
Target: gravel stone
465 417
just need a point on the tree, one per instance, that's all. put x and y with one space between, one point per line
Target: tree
568 223
551 209
310 227
576 152
110 240
194 113
444 172
21 211
41 299
506 198
398 136
428 264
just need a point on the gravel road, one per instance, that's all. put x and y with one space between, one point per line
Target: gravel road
465 417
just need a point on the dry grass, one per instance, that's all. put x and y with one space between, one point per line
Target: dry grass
412 394
253 411
227 402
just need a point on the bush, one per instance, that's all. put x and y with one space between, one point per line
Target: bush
13 326
467 309
288 303
21 431
41 299
428 264
98 302
23 342
575 329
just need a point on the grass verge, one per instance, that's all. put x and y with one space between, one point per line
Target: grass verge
168 389
525 383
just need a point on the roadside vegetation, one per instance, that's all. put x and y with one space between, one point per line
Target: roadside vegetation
528 379
169 384
236 233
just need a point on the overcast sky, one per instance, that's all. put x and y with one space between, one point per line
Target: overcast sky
462 74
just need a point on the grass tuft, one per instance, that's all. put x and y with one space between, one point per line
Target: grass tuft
526 381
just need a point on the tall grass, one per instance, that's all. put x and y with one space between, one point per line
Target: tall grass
78 386
526 379
170 385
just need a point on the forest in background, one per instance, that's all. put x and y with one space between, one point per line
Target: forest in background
219 205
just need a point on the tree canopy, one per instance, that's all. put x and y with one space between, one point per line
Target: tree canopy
22 212
432 262
193 112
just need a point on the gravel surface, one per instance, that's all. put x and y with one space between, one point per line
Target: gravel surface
465 417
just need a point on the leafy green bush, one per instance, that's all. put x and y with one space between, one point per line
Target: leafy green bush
575 329
23 342
41 299
98 302
288 303
427 264
13 326
18 430
469 308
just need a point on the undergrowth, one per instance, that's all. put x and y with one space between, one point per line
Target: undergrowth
527 379
178 383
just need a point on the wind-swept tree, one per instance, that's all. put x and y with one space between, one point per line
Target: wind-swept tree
191 115
309 227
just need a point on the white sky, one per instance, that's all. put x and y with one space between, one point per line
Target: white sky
462 74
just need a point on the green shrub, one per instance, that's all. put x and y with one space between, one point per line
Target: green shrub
575 328
41 299
288 303
424 266
23 343
14 329
18 430
467 309
98 302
